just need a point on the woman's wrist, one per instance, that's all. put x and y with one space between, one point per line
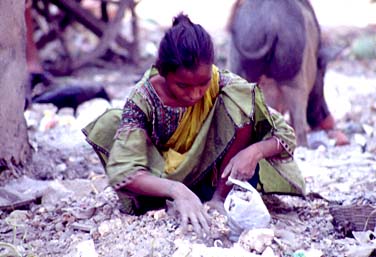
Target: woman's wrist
175 189
255 150
266 148
218 196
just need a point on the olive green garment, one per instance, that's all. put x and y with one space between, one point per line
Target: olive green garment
239 103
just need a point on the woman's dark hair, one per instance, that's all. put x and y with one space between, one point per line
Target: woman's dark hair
184 45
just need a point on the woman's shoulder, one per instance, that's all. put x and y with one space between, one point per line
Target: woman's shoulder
140 97
228 78
143 89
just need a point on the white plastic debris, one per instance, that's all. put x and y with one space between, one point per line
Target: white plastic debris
245 209
268 252
308 253
366 244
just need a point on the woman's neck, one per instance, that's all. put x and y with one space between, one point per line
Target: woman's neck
158 83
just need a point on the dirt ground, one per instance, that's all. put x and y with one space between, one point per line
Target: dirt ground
72 211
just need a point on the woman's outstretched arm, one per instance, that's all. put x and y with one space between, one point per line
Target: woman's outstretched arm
185 201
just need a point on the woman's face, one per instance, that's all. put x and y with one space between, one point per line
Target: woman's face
186 87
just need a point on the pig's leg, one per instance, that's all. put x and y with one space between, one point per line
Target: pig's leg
272 94
295 97
317 110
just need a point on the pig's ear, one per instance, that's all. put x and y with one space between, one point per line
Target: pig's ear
327 54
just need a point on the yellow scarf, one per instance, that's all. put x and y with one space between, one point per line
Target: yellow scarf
189 126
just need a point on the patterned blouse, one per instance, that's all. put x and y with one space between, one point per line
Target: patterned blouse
164 119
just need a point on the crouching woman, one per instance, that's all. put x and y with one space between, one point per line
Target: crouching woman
186 127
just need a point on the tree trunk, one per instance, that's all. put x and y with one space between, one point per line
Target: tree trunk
14 145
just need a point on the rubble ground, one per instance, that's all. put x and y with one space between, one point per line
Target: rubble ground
71 211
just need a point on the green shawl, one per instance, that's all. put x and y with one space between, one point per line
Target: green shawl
125 152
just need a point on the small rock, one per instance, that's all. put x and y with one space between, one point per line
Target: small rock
256 239
104 229
83 249
82 227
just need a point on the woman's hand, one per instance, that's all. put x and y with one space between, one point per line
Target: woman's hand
242 166
185 201
190 208
216 203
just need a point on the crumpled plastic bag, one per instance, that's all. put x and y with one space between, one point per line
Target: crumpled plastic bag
245 209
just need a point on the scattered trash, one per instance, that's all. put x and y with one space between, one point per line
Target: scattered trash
185 248
366 244
308 253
